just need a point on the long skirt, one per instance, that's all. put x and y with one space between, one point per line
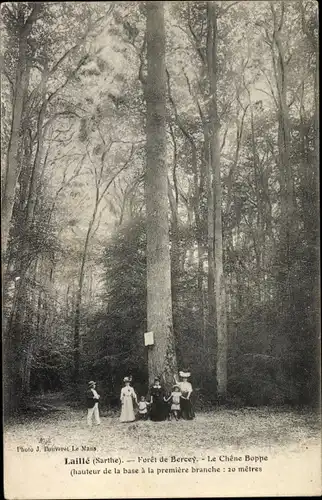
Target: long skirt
127 412
186 408
158 411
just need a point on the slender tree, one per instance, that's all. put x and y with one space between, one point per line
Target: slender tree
215 196
101 188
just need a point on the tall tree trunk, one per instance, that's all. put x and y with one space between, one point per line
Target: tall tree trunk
14 343
198 189
161 357
175 270
11 338
26 196
284 145
211 300
201 256
12 167
220 293
36 170
175 240
30 337
79 294
258 234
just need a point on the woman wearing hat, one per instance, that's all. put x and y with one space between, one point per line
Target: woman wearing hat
186 408
92 404
128 397
158 405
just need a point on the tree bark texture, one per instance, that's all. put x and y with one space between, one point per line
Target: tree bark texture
279 62
161 356
12 168
220 292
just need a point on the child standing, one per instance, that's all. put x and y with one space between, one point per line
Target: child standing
128 397
92 404
143 409
175 401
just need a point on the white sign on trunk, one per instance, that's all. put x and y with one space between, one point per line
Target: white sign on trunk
148 338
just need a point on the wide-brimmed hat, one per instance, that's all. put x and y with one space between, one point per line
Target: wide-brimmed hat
127 379
91 383
184 374
175 385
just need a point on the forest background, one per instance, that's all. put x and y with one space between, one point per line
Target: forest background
240 88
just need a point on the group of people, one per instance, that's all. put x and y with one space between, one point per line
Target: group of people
159 406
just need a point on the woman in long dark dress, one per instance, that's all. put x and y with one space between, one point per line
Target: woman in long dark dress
158 406
186 407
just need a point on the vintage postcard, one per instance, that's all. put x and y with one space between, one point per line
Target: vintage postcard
160 249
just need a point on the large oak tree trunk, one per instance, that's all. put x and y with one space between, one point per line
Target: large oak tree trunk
161 357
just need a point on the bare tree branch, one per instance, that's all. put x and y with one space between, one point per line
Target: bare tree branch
117 173
82 61
195 38
224 11
224 139
195 98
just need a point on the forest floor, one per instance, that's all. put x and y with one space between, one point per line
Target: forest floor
220 430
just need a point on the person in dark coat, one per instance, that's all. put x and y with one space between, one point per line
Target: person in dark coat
158 405
186 408
92 398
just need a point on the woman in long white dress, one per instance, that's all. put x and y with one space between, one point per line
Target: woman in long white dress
128 397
